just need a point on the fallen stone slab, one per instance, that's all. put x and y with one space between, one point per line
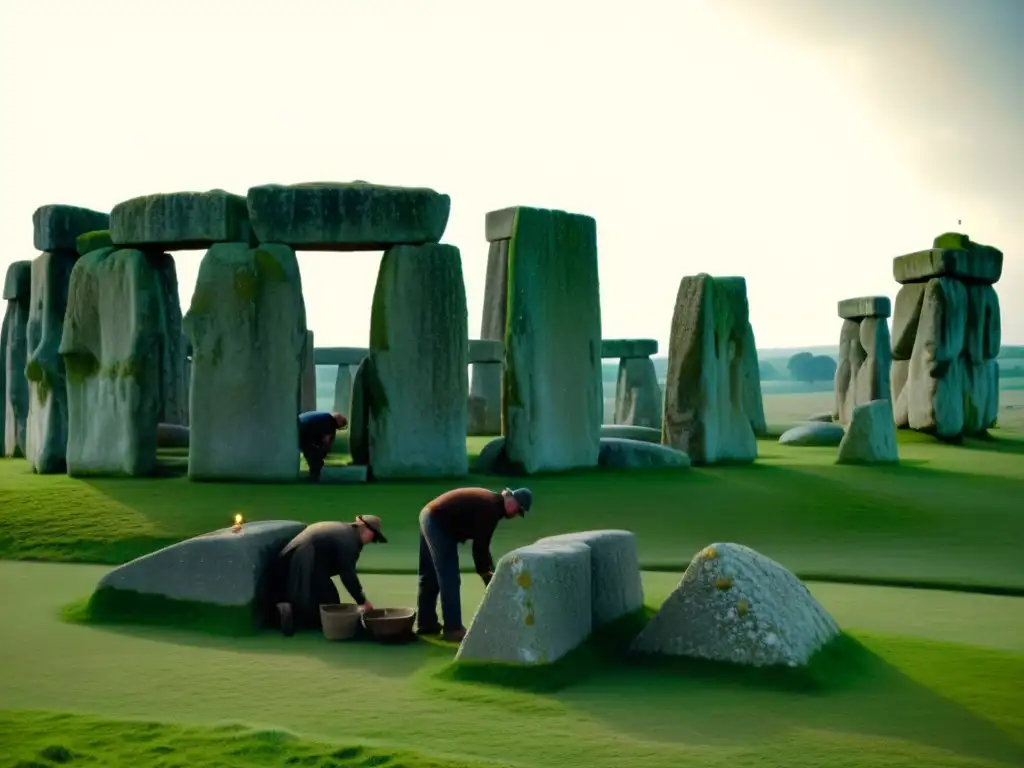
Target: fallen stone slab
983 334
871 436
13 358
247 327
180 221
815 433
978 265
222 568
419 347
340 355
537 607
638 396
628 348
486 351
499 225
171 436
347 216
348 475
733 604
865 306
620 453
631 432
57 227
93 241
616 587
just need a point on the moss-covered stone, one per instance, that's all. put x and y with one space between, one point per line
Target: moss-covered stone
628 348
181 221
57 227
92 241
954 255
347 216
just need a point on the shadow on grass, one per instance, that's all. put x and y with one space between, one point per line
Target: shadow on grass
992 442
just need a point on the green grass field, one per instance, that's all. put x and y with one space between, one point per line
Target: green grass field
929 677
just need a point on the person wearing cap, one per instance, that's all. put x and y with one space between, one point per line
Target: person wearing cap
317 430
464 514
301 575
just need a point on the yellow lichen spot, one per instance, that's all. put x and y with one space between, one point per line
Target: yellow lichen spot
710 553
723 583
529 619
742 607
523 580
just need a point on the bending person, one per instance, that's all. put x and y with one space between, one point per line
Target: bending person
301 575
317 430
455 517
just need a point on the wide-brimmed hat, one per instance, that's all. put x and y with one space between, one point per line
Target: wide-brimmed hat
373 523
524 499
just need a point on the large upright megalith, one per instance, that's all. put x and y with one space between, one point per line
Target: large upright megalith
114 340
706 402
553 400
863 369
419 349
946 334
485 385
13 355
247 329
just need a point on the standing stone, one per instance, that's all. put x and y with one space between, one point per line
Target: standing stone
553 399
637 394
13 357
343 390
47 424
419 350
359 417
174 376
186 367
57 227
486 385
863 371
115 334
705 414
247 328
753 399
307 383
871 436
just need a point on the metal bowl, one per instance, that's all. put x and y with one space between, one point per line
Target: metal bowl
340 621
389 623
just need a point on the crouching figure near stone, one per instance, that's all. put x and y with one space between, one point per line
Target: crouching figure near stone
317 430
451 519
299 580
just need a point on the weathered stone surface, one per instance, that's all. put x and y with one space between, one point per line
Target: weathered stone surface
815 433
906 319
553 396
486 378
637 394
340 355
979 264
864 365
175 368
13 357
347 216
750 382
486 351
114 332
630 348
622 453
179 221
499 225
537 607
826 417
46 432
343 390
247 327
171 436
359 415
981 395
983 334
56 227
419 345
93 241
616 588
307 381
865 306
871 436
900 394
704 412
630 432
218 568
736 605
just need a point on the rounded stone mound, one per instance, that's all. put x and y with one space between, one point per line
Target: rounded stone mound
619 453
814 433
736 605
631 432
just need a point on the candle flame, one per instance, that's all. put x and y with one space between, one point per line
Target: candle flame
238 519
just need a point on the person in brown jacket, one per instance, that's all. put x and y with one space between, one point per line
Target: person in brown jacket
451 519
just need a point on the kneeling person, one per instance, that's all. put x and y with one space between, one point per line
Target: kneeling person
317 430
301 576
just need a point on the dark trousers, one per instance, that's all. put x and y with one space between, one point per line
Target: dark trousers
297 579
315 452
438 576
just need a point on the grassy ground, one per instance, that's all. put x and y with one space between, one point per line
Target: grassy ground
915 701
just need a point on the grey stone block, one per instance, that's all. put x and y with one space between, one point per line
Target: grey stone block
620 453
57 227
871 436
638 397
629 348
179 221
486 351
815 433
865 306
980 265
498 225
340 355
307 381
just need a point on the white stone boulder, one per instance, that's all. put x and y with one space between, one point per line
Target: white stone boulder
871 436
419 346
622 453
247 328
814 433
222 568
616 586
733 604
537 607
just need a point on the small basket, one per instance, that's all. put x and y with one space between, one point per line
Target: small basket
390 624
340 621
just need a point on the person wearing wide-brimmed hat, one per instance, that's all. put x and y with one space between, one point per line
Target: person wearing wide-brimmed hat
464 514
301 576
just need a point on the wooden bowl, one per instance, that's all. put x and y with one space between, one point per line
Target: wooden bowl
340 621
389 623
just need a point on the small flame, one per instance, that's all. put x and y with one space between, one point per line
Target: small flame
238 519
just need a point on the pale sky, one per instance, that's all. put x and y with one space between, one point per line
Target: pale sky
799 143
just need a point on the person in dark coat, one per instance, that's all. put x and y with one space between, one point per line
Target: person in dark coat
317 430
455 517
301 575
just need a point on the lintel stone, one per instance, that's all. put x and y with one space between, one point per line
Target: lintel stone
486 351
340 355
628 348
865 306
498 225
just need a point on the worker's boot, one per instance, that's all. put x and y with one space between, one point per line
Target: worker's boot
286 617
453 635
428 629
